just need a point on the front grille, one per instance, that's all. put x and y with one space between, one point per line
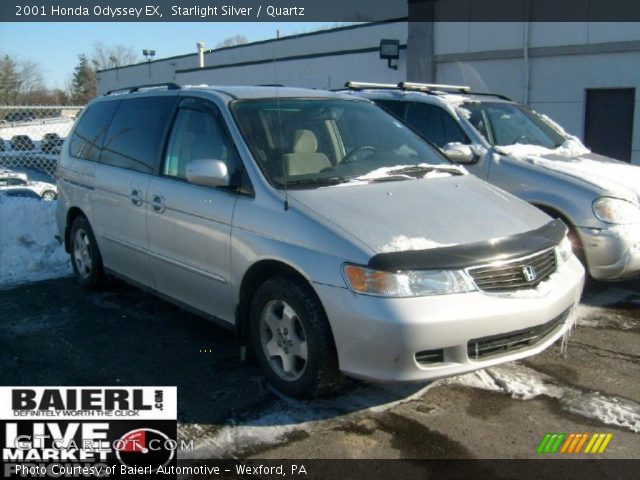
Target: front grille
481 348
517 274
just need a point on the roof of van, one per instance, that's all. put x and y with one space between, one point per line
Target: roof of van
392 93
235 92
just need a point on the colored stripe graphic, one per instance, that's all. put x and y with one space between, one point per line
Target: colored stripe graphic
543 443
581 443
573 443
607 439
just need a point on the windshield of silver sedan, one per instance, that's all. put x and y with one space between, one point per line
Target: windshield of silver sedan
310 143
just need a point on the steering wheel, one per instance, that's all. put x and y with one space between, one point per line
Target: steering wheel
352 154
523 140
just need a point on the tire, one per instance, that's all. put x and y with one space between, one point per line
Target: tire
85 255
287 324
49 195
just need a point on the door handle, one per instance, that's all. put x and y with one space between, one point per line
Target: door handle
135 197
157 203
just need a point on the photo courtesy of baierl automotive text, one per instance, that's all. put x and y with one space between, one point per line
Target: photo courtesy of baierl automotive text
384 239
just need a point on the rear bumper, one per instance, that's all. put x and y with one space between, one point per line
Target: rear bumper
612 253
378 338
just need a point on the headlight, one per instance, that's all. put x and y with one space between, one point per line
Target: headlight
616 210
564 250
408 283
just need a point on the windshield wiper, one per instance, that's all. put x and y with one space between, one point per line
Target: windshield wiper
419 170
315 182
389 178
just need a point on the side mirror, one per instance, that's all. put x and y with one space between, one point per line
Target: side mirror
459 153
208 173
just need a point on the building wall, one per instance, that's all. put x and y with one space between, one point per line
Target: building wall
321 60
327 72
565 59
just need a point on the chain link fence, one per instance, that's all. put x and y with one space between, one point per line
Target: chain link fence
31 138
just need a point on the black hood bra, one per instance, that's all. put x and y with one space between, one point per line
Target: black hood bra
472 254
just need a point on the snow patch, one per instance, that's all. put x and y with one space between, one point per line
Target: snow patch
455 103
571 147
29 250
402 243
525 383
290 416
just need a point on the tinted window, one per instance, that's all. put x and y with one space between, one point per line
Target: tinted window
435 124
393 107
88 136
198 134
135 136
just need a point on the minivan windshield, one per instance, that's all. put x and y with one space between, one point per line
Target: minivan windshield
308 143
505 124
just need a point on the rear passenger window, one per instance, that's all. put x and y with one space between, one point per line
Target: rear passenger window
135 136
393 107
88 136
435 124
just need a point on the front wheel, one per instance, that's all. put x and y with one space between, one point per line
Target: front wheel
85 255
292 340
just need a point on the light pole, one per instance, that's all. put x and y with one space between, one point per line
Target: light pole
149 54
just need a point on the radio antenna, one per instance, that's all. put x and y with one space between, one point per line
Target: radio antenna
280 128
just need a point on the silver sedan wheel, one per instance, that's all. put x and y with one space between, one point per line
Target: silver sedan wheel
48 196
82 253
284 340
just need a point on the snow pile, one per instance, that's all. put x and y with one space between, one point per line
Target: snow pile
29 250
436 171
526 383
571 147
402 243
456 102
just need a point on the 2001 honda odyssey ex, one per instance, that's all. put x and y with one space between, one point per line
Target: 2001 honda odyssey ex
316 225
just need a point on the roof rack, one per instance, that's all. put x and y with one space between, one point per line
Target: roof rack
485 94
368 85
420 87
430 87
168 86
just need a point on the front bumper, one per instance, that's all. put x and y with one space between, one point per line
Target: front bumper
378 338
611 253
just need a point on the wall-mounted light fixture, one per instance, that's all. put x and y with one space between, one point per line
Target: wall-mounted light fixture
390 50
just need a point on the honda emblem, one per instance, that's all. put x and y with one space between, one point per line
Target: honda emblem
529 273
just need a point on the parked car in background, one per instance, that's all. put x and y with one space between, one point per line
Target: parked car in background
22 142
19 193
11 180
531 156
19 116
51 143
327 233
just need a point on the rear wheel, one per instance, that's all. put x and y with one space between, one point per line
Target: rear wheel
292 340
85 255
